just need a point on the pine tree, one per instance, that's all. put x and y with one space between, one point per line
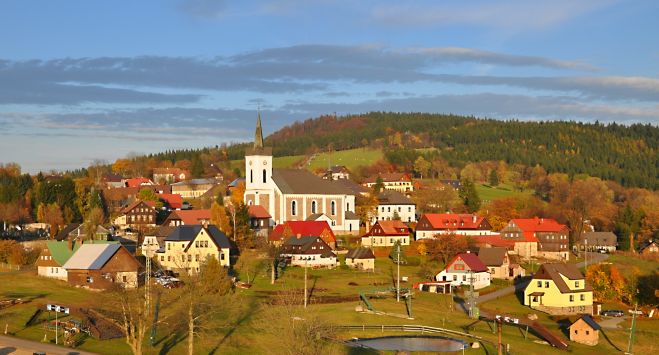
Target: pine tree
469 196
494 178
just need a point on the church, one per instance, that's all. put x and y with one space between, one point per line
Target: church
295 194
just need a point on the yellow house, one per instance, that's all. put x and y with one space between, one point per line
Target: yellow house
558 288
188 246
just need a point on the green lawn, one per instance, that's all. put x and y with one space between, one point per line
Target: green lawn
351 158
489 193
240 330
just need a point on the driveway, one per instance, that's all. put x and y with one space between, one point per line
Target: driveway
16 346
612 322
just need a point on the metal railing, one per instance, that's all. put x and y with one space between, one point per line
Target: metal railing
409 328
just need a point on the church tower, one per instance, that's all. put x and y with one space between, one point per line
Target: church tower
259 188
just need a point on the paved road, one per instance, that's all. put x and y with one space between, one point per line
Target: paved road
17 346
611 323
593 258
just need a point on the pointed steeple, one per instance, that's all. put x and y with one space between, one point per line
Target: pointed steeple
258 135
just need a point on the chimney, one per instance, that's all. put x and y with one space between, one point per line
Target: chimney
542 220
298 236
473 219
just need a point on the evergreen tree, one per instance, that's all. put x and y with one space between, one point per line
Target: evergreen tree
197 167
494 178
469 196
379 185
394 255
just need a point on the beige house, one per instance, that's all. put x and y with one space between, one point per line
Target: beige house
559 289
585 331
193 188
498 263
295 195
188 246
361 258
401 182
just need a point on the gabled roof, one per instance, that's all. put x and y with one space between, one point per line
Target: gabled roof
338 169
188 233
492 256
173 200
91 256
137 203
302 245
360 253
190 217
64 233
590 321
303 229
111 177
539 224
392 227
390 197
389 177
293 181
646 244
60 250
453 220
257 211
473 262
552 271
599 238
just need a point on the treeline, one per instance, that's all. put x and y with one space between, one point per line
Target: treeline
625 154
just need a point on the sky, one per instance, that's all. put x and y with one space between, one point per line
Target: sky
99 80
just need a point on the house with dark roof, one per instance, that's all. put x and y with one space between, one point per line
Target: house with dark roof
498 262
465 269
361 258
77 231
432 224
187 217
101 266
401 182
137 214
289 229
386 234
188 246
559 289
598 241
394 205
337 172
538 237
294 195
308 252
166 176
56 253
649 247
585 331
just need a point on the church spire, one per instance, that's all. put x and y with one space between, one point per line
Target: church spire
258 135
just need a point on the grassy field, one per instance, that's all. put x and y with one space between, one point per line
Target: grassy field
334 294
489 193
352 159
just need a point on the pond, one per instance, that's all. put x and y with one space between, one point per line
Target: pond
410 343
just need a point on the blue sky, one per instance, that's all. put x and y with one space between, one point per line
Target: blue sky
85 80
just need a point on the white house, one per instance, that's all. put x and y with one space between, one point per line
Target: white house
392 204
431 224
464 269
308 252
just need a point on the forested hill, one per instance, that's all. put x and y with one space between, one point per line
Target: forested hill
626 154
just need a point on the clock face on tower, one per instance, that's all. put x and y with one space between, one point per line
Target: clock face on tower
265 162
250 162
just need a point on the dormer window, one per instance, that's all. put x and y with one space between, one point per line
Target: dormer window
576 284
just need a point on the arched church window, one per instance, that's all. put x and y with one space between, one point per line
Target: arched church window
333 208
264 176
294 208
313 206
251 176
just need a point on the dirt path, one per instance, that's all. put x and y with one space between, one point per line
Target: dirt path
16 346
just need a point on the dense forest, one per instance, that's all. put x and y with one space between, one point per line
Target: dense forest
625 154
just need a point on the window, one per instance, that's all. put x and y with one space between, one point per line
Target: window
264 176
293 208
464 277
571 298
576 331
583 297
546 284
196 257
587 332
196 244
189 257
535 298
90 279
251 176
388 209
313 206
409 209
333 208
576 284
162 258
221 256
455 277
124 279
539 283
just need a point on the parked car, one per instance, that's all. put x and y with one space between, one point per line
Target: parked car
602 251
612 313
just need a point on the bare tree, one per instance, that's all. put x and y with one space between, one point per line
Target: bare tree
135 318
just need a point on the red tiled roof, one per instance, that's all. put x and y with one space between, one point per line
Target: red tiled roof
257 211
191 217
539 225
392 227
475 264
389 177
137 182
493 240
303 229
173 200
453 220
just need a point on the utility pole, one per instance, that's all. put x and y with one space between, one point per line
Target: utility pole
471 294
585 254
631 330
56 324
398 278
499 332
305 283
